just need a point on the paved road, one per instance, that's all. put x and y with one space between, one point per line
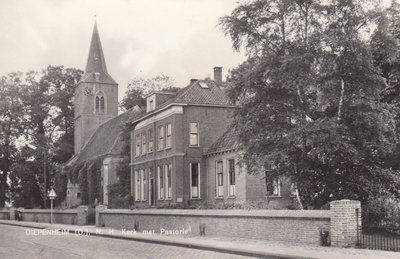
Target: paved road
20 242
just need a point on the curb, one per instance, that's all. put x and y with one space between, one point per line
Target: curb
178 243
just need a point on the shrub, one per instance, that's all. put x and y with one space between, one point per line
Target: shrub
324 237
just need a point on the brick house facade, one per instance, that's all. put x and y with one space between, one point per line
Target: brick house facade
169 141
183 151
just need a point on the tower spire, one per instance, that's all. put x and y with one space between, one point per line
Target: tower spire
96 69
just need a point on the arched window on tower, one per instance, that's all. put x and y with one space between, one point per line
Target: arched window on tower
100 103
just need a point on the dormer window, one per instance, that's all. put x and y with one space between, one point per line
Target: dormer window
151 105
100 103
151 102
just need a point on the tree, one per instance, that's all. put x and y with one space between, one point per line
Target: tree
35 107
11 118
310 98
138 88
48 105
25 187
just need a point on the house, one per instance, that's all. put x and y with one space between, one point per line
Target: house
228 180
184 151
169 141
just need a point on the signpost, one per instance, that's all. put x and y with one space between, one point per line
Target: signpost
52 195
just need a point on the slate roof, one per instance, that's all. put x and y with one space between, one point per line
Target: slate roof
227 142
194 94
106 140
96 62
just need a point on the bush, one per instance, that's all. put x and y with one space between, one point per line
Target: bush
382 211
324 238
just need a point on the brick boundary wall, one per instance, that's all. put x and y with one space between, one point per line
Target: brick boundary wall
77 216
275 225
299 226
5 214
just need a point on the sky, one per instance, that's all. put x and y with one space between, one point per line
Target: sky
178 38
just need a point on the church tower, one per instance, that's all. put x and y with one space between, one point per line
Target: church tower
96 96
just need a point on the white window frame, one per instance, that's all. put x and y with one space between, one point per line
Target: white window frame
137 186
150 174
137 145
168 181
194 133
219 175
160 138
198 182
144 142
161 188
151 105
231 187
142 184
151 134
276 185
168 135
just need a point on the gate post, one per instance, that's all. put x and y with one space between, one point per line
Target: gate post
99 208
345 223
12 213
82 215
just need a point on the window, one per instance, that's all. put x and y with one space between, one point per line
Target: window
78 195
160 138
194 134
293 190
138 144
231 177
160 174
169 135
144 143
220 179
194 180
137 189
151 140
151 105
99 103
142 185
168 188
273 186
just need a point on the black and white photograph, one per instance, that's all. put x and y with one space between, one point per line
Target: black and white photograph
199 129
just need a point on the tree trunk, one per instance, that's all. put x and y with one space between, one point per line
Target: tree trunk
299 200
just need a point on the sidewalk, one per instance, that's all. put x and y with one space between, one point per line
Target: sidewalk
247 247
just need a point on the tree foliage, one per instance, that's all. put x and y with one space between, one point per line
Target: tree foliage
310 96
11 118
36 108
138 88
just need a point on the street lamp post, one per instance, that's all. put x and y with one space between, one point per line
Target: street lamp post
52 196
45 176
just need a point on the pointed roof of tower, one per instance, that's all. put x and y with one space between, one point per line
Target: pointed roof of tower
96 70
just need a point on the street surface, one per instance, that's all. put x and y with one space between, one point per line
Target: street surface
20 242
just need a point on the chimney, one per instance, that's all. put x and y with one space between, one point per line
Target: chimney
193 80
218 74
